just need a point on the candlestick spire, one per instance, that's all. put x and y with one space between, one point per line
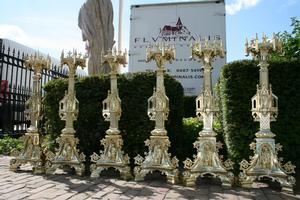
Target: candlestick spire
32 152
207 161
265 162
67 154
158 157
112 156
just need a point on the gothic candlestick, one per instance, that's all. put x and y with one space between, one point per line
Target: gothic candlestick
112 156
265 163
207 161
158 157
32 152
67 153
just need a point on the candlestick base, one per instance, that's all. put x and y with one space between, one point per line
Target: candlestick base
207 162
157 159
66 155
265 164
111 157
31 153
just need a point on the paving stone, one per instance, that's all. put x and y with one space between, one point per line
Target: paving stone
216 196
230 196
131 193
140 198
25 180
215 189
123 197
14 193
21 177
111 196
65 196
103 192
38 184
91 190
43 187
173 194
260 198
12 188
162 189
54 192
7 185
3 183
79 196
274 197
117 191
48 193
158 196
19 196
246 198
257 194
202 191
119 182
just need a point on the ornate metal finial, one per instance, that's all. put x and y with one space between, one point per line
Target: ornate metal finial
265 162
114 59
160 53
37 62
262 50
207 161
32 152
67 154
207 51
158 157
112 156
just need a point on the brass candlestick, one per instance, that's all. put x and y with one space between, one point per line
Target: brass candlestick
265 163
32 152
67 154
207 162
158 157
112 156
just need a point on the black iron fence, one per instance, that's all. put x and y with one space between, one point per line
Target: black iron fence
16 84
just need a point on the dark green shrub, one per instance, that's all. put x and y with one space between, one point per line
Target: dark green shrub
191 128
8 143
237 86
135 126
189 106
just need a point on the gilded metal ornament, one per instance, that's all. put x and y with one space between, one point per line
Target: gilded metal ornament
112 156
32 152
67 153
158 158
265 162
207 162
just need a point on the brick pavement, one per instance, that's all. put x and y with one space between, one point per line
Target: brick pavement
25 185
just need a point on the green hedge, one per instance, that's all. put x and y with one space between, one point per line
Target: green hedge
189 106
135 126
191 128
238 85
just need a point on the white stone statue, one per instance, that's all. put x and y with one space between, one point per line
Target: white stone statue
96 23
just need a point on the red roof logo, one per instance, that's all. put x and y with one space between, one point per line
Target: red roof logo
179 29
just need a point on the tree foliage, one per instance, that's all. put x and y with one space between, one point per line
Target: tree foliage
291 42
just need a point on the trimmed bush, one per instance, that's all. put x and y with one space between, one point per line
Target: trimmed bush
189 106
236 88
135 126
191 128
